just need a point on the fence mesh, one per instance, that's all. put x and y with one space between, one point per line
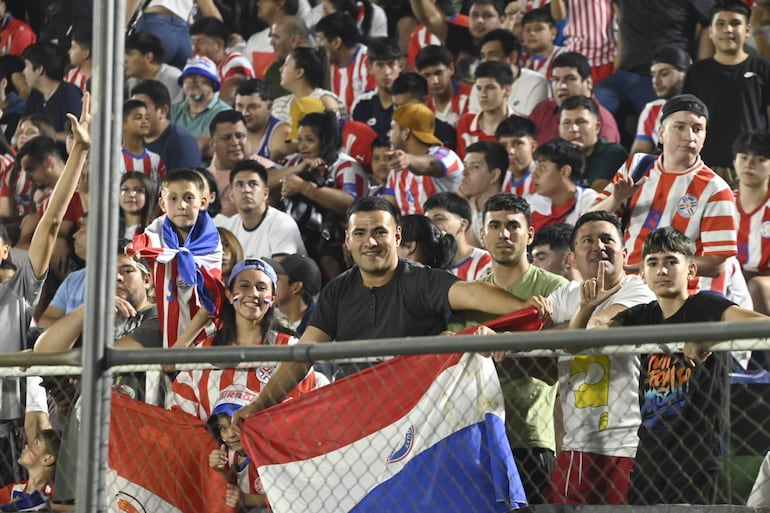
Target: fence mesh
417 433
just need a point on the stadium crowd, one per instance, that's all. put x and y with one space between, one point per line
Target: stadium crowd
350 170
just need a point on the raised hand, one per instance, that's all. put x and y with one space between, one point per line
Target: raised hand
625 187
594 291
81 127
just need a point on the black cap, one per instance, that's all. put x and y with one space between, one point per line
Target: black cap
677 57
686 102
299 268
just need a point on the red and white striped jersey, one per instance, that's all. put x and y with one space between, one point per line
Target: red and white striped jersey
196 391
148 163
590 30
347 173
455 109
19 190
232 64
730 284
647 129
545 213
177 305
697 202
524 186
78 78
535 4
542 65
476 266
247 475
412 190
754 236
469 131
353 78
422 37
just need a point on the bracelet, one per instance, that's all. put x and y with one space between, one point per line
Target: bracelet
307 191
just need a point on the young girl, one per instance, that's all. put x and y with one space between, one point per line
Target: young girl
137 203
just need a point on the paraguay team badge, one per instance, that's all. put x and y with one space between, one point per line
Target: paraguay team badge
687 205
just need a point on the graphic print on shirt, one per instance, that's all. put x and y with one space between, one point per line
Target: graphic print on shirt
665 388
590 382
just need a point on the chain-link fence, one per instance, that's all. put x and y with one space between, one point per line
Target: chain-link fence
450 432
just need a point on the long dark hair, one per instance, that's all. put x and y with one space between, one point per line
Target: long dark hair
150 196
327 129
437 248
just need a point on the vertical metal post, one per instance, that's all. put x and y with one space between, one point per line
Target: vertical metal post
107 99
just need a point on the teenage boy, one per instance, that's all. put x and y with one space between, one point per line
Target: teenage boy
266 134
483 171
39 460
551 250
375 107
493 84
80 59
518 135
451 213
537 36
136 126
187 282
679 456
559 198
144 61
448 98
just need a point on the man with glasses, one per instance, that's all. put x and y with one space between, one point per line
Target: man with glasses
571 76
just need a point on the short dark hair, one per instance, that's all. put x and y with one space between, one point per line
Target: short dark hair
255 86
251 166
183 174
383 49
563 153
497 4
211 27
736 6
595 216
339 25
555 236
381 141
144 43
437 249
669 240
131 105
155 90
411 83
10 64
38 148
48 56
499 71
509 202
516 126
372 204
573 60
225 116
541 14
580 102
433 55
508 41
83 37
756 142
141 263
495 155
451 202
312 63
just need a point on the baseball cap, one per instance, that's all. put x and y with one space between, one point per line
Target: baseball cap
677 57
299 268
684 102
300 107
420 120
232 398
201 65
257 264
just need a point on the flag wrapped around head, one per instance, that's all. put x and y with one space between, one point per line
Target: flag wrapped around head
416 433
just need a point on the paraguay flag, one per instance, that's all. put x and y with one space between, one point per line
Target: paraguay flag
413 434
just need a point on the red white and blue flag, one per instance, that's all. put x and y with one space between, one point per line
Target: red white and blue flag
416 433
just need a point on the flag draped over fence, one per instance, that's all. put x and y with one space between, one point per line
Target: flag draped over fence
413 434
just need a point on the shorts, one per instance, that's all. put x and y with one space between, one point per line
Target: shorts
590 478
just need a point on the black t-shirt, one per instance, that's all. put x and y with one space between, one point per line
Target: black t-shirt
66 99
682 406
737 98
369 110
646 26
414 303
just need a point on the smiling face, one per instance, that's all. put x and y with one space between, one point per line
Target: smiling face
137 123
373 238
506 236
728 32
198 88
599 243
230 436
133 196
251 295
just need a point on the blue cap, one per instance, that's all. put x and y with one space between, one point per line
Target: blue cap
201 65
257 264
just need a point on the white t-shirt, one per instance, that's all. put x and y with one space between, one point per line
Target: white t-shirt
278 233
527 91
168 76
599 394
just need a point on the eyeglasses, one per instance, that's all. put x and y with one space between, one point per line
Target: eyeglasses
131 191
